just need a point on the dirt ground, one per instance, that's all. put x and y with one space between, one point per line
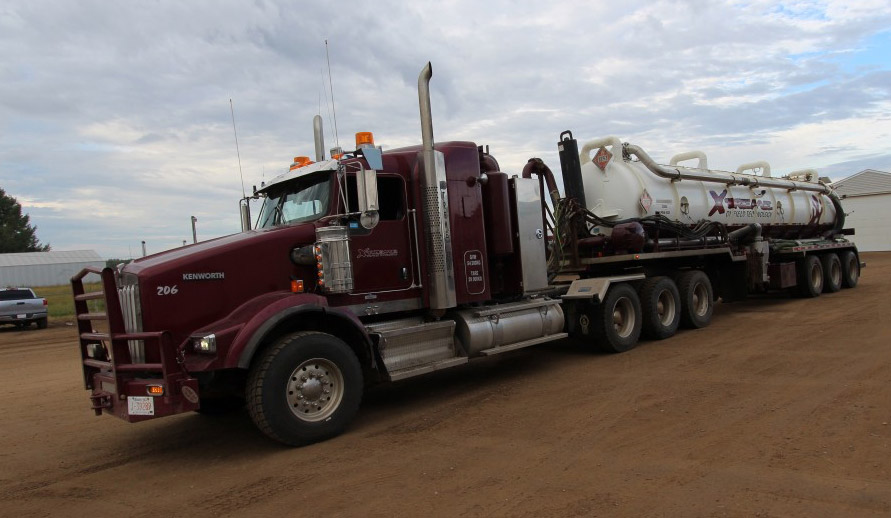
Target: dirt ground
782 407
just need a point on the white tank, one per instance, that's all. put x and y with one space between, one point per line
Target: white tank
616 188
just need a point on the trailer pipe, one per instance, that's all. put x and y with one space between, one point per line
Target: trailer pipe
537 167
723 178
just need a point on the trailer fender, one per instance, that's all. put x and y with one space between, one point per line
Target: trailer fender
595 288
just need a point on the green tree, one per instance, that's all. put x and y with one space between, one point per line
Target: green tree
16 232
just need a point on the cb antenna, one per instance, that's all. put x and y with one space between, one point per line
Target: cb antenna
232 110
331 86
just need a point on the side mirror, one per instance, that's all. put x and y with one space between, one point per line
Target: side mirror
366 185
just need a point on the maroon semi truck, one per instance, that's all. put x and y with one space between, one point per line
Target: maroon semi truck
376 266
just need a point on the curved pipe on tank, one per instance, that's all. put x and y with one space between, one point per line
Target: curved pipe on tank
537 167
839 214
727 179
743 233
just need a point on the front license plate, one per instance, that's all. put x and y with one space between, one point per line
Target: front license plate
140 405
21 316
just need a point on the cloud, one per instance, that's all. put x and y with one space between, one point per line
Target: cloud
115 121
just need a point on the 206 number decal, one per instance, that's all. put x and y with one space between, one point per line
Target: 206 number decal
168 290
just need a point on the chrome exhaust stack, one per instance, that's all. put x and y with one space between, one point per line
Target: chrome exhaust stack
440 268
319 138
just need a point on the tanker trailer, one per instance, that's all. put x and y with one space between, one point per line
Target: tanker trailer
685 236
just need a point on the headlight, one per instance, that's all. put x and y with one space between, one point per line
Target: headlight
206 344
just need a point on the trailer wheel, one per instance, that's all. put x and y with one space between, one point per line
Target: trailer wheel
660 304
305 388
850 268
832 272
810 277
617 320
697 302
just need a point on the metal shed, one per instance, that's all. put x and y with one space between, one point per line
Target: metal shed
45 268
866 198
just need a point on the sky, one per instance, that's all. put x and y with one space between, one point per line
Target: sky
116 123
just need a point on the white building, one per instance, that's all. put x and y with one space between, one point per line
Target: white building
866 198
31 269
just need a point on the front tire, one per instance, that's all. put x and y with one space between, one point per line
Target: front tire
305 388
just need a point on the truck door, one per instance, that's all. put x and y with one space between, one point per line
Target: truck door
382 257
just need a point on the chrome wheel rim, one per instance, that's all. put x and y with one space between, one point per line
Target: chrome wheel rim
853 268
835 273
315 390
700 299
623 317
817 278
665 308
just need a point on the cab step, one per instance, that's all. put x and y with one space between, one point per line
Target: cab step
415 347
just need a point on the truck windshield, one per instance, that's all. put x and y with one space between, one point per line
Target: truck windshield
297 201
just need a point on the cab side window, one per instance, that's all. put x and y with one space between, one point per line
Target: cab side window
390 196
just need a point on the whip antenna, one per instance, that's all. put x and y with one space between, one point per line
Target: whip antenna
232 110
331 86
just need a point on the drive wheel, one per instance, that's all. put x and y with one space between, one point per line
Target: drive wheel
850 268
617 321
660 304
810 277
42 323
697 301
832 273
306 388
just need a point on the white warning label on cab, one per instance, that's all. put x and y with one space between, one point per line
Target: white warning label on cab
140 405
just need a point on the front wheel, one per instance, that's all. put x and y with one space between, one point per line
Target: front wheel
306 388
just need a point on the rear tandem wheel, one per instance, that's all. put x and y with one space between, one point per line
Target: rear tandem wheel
616 322
697 300
810 277
660 304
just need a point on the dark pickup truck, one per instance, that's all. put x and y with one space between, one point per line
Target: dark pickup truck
20 306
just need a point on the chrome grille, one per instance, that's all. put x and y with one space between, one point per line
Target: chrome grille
128 293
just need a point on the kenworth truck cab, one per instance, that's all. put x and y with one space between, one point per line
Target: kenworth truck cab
377 266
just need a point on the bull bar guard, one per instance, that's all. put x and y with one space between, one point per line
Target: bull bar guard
116 381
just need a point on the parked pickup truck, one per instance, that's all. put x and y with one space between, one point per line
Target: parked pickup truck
20 306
